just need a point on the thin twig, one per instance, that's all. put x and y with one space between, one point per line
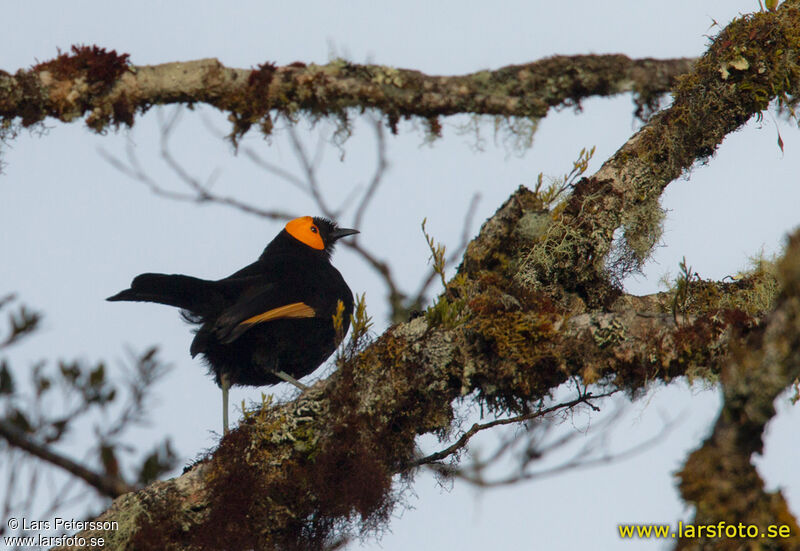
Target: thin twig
396 296
377 176
285 175
578 462
584 398
420 297
201 192
108 486
8 506
311 174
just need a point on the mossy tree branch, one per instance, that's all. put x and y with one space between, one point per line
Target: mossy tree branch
532 305
752 62
719 478
327 459
102 84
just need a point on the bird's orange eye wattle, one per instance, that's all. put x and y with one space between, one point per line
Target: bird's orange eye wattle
304 230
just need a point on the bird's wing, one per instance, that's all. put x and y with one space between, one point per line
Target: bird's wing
262 306
256 269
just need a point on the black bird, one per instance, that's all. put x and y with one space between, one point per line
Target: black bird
270 321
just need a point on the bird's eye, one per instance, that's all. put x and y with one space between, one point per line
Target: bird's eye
314 229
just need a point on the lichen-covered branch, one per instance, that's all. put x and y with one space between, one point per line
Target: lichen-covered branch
103 85
326 461
753 61
534 303
719 478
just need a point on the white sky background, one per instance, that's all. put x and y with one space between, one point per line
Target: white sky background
75 230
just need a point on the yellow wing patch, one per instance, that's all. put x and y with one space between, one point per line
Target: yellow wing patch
293 310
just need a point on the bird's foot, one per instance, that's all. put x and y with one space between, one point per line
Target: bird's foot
289 379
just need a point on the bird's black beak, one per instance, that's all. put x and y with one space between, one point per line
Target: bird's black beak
342 232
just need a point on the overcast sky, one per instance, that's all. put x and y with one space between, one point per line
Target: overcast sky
75 230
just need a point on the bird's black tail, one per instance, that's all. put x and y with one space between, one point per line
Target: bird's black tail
189 293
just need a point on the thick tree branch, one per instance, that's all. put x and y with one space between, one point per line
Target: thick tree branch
752 61
719 478
101 84
521 317
329 456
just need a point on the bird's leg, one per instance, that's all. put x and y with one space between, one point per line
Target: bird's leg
225 384
289 379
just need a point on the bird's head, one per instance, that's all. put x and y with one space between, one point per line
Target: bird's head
318 233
